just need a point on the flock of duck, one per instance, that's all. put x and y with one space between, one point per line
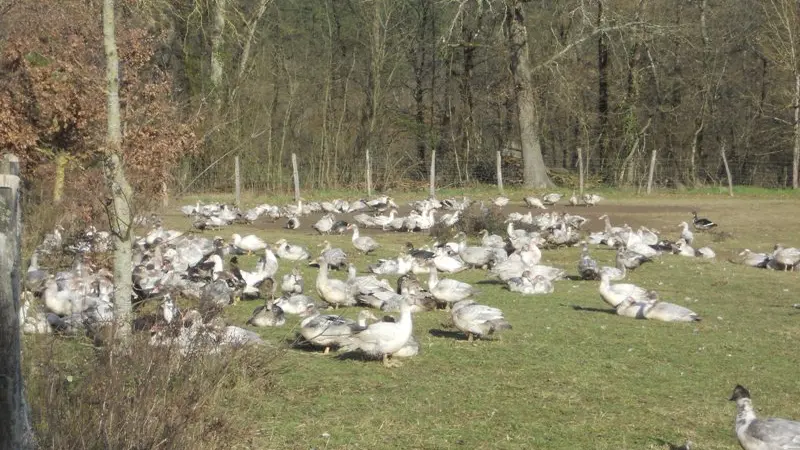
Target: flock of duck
170 263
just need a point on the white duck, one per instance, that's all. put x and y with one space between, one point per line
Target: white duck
292 282
324 330
383 339
294 304
336 292
248 244
448 290
656 310
478 320
762 434
363 243
616 294
686 233
533 202
290 252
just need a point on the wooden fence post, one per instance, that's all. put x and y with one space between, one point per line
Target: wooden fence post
652 172
432 189
499 172
296 176
369 176
237 176
727 170
15 429
580 171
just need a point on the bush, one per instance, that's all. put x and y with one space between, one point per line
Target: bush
150 397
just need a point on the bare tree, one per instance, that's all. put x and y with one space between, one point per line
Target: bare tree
120 213
534 170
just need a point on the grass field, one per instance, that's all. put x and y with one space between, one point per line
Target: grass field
562 378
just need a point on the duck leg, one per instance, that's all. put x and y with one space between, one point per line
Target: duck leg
388 362
469 337
326 351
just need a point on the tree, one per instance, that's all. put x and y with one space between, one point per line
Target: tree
534 170
120 216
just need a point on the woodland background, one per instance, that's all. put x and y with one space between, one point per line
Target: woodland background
205 80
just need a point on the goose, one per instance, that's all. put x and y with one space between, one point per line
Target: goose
59 302
335 257
705 252
339 227
702 223
293 303
648 236
616 294
492 240
324 224
533 202
383 339
410 349
684 249
448 290
446 263
333 291
753 259
399 266
587 267
324 330
292 282
528 284
410 288
573 199
591 199
363 243
476 256
786 258
500 201
384 221
551 199
609 230
267 315
290 252
248 244
656 310
251 279
631 260
169 310
35 277
292 224
478 320
614 273
762 434
686 234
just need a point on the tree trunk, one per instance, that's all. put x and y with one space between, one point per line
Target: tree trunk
534 170
15 429
796 152
122 195
602 84
217 41
61 168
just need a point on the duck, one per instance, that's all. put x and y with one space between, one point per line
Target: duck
267 315
631 260
705 252
292 282
410 349
528 284
476 320
616 294
293 303
336 257
753 259
169 310
551 198
614 273
292 224
655 309
587 267
500 201
248 244
534 202
290 252
447 290
333 291
684 249
573 199
324 330
324 224
365 244
762 434
786 258
491 240
383 339
702 223
591 199
686 234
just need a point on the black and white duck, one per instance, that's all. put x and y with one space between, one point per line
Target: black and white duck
701 223
762 434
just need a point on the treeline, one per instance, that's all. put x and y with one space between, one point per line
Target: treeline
332 80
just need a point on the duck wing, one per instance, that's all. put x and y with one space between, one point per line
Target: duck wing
777 433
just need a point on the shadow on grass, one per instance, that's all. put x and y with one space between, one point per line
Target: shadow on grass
671 446
355 356
491 282
457 335
591 309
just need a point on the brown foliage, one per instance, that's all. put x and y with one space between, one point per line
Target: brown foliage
52 93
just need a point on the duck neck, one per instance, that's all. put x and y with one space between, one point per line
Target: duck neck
744 412
608 224
433 278
355 233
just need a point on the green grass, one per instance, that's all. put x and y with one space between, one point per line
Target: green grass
562 378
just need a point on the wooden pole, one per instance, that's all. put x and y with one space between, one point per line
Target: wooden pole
296 176
432 190
15 429
369 176
580 171
652 172
500 172
727 170
237 175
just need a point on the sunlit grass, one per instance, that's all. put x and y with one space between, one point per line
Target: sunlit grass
562 378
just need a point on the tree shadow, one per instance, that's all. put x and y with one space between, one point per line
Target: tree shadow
457 335
592 309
